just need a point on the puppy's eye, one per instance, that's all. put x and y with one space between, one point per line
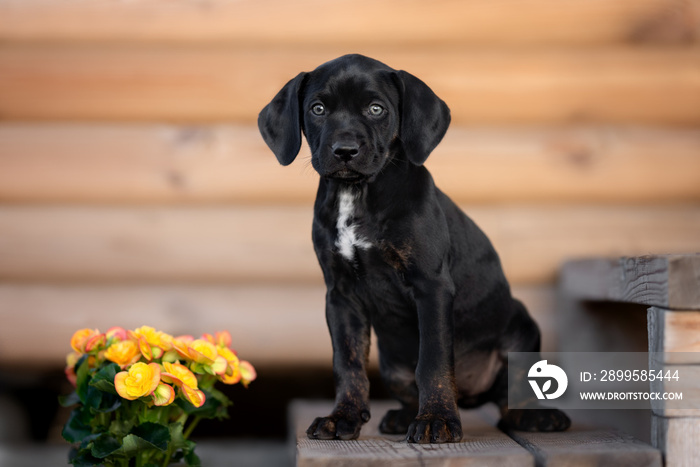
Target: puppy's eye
318 109
376 110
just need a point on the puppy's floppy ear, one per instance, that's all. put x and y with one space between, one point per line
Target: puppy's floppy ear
424 117
279 122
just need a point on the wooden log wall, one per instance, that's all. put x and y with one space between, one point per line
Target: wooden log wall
134 185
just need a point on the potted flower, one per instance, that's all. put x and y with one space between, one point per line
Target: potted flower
140 393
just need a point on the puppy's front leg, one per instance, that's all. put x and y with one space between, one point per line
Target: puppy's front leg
350 332
438 418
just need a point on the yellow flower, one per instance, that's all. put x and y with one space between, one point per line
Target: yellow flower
202 351
141 380
155 338
194 396
232 375
178 374
123 353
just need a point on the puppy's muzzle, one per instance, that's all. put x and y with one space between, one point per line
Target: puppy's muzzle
345 151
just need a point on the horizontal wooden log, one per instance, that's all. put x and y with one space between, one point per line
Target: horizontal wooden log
271 325
349 23
187 84
482 445
667 281
83 163
229 243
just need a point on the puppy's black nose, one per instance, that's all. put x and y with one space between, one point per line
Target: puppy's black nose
345 151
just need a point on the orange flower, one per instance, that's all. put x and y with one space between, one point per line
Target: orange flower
248 373
117 333
151 342
123 353
181 343
85 340
141 380
71 361
182 377
220 338
223 339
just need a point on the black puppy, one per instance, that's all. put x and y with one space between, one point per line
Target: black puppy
397 254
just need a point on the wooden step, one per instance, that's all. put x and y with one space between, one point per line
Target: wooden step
349 22
482 445
273 243
225 83
151 163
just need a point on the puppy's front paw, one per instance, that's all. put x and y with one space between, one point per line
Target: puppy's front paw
534 420
435 429
338 426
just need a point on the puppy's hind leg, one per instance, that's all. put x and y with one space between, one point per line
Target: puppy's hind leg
530 416
401 384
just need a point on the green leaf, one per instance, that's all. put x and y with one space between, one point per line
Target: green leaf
154 433
82 378
69 400
93 397
104 445
192 460
155 414
120 428
75 430
177 440
82 458
104 378
108 403
213 407
133 445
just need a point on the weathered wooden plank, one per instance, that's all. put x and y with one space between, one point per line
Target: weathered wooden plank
271 324
674 344
667 281
81 163
186 84
482 445
586 447
677 438
674 332
349 23
234 243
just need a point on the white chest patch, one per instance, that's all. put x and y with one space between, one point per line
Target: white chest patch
348 239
